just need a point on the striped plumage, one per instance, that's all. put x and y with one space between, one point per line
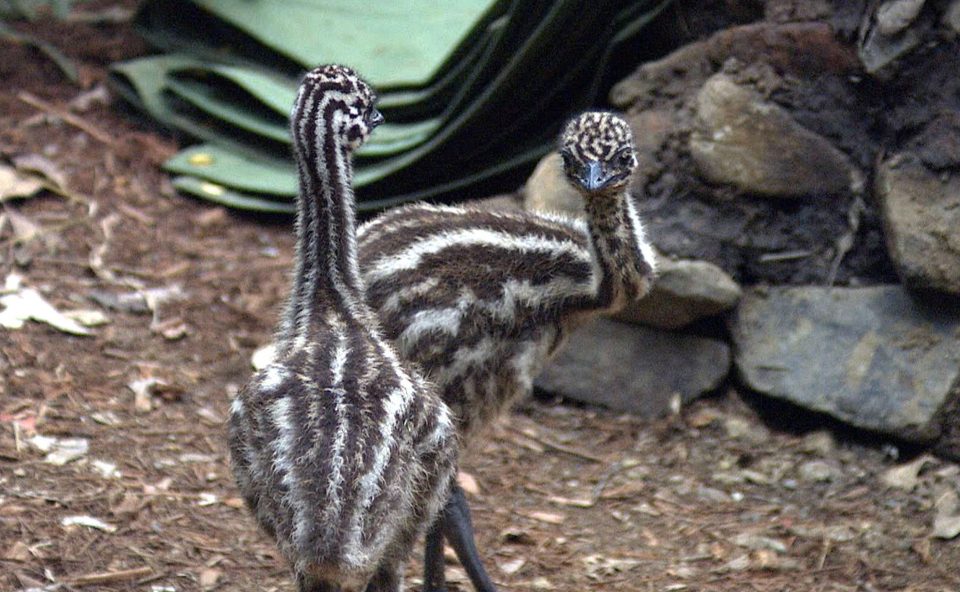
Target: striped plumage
481 300
342 453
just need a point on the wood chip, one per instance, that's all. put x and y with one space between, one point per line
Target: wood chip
573 502
111 577
235 502
548 517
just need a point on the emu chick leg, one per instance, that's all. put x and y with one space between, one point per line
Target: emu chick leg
455 524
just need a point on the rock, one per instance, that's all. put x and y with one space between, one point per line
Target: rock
685 291
869 356
821 443
892 34
811 72
818 471
752 432
547 189
635 369
921 212
952 16
896 15
946 522
757 147
906 476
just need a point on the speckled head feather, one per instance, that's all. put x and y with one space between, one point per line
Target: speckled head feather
346 101
598 152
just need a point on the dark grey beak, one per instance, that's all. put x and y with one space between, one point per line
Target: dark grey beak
593 177
376 118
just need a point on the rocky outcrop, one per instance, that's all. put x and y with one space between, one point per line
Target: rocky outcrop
872 357
741 140
635 369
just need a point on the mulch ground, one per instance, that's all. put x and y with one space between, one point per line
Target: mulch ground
565 498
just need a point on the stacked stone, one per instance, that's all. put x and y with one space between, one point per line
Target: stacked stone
814 159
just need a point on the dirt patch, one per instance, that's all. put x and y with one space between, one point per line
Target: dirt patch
568 498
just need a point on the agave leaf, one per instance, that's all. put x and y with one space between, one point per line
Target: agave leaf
470 118
394 44
228 168
231 198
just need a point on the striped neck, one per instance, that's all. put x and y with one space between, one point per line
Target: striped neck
624 257
326 272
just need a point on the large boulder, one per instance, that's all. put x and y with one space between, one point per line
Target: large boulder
872 357
685 291
719 110
921 214
635 369
742 140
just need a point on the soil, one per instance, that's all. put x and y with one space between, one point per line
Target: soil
716 498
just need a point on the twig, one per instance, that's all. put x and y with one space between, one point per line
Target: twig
111 577
66 116
846 242
561 447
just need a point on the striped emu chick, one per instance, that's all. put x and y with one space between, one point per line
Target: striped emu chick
481 300
341 452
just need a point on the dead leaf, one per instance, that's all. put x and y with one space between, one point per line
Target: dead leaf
235 502
209 578
207 499
60 451
160 487
627 491
106 469
98 95
43 166
573 502
171 329
702 417
757 542
468 483
906 476
548 517
600 566
513 566
24 229
769 560
27 304
14 184
263 356
129 505
212 217
88 522
946 522
142 393
87 317
18 551
210 416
